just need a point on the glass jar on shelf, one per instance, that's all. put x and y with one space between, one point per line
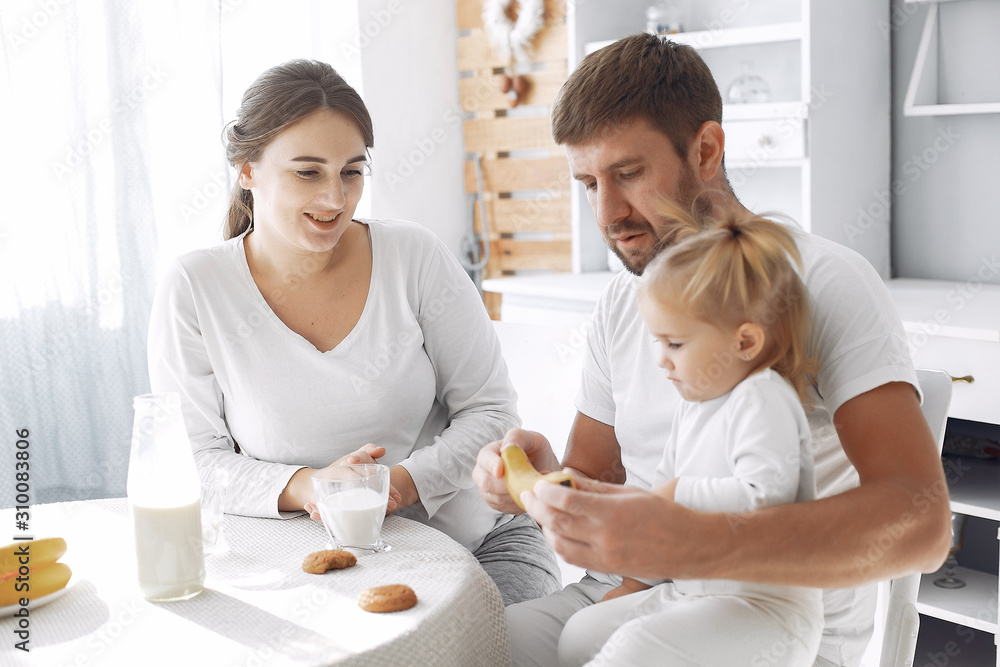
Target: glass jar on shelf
664 18
749 87
949 580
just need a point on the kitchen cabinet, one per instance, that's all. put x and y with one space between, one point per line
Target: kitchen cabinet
956 327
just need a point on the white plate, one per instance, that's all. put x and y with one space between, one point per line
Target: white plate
9 610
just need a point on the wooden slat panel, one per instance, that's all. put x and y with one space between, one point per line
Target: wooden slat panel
494 268
493 303
519 255
555 11
512 216
482 93
496 135
470 13
513 174
475 51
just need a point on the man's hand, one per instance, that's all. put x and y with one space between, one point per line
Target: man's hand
489 471
614 528
834 542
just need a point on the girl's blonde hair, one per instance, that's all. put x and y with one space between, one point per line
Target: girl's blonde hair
741 270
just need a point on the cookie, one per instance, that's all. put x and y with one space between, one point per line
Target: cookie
330 559
382 599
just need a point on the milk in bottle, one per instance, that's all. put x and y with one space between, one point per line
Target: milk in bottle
164 501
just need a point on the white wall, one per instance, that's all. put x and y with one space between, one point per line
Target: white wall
410 73
255 36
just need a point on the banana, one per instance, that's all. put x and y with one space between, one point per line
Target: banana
520 475
45 550
44 575
39 582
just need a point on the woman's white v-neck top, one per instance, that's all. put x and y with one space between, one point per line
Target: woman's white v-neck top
421 374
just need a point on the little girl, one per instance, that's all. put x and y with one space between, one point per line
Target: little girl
732 319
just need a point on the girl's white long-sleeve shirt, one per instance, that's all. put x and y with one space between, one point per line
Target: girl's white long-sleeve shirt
421 374
746 450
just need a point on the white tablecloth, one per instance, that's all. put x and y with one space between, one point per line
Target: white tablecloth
258 607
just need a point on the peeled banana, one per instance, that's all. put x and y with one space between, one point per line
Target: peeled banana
520 475
29 570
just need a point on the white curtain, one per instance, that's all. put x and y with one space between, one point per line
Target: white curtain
111 164
111 121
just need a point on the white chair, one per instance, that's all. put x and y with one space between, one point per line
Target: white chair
897 611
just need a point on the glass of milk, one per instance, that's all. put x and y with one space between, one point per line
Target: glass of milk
352 501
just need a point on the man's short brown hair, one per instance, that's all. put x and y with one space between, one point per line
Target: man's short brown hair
638 77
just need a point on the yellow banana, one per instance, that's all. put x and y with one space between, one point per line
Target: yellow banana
520 475
45 550
41 575
39 582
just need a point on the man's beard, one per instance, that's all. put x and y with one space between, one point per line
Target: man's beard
634 267
687 192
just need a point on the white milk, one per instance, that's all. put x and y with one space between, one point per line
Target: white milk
354 516
168 550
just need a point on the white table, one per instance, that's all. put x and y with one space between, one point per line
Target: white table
258 607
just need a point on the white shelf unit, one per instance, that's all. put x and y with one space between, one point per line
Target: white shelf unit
819 151
711 39
922 92
961 336
973 606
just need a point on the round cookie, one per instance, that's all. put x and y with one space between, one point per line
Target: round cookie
319 562
382 599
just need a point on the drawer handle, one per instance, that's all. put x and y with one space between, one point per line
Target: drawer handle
967 379
765 141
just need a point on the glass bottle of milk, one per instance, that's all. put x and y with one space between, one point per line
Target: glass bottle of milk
164 497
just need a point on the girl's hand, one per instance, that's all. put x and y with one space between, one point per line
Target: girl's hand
629 585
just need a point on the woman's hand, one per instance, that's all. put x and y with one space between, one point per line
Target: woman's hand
489 471
402 490
370 453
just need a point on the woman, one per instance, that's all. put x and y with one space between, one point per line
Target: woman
307 334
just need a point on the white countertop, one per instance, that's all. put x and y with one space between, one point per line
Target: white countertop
568 286
945 308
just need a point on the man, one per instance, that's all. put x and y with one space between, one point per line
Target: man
640 120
